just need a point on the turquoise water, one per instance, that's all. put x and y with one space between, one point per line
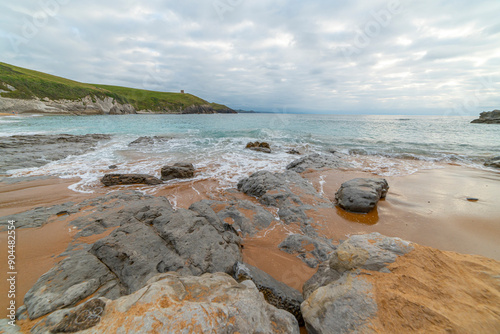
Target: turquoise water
386 145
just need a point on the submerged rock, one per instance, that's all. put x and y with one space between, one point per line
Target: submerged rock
124 179
180 170
361 195
488 117
259 146
318 161
276 293
211 303
147 140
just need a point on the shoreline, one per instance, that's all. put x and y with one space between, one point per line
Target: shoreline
437 216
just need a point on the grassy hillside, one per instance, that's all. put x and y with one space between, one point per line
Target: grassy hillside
30 84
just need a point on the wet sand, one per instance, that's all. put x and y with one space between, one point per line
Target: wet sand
428 207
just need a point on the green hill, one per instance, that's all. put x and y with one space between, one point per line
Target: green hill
31 84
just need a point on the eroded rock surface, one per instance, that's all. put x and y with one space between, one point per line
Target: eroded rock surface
318 161
180 170
361 195
488 117
124 179
310 250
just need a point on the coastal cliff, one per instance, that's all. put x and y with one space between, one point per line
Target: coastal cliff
488 117
27 91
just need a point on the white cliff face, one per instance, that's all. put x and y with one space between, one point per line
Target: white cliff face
87 105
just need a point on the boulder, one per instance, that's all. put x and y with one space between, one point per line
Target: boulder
170 303
361 195
311 251
259 146
293 151
318 161
488 117
124 179
180 170
276 293
493 162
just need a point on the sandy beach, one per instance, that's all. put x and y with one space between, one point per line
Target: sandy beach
429 207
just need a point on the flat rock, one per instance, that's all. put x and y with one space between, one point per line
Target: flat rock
488 117
361 195
148 140
180 170
24 151
124 179
211 303
318 161
311 251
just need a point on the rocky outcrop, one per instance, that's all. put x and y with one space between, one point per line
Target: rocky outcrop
170 303
493 162
147 140
180 170
151 238
259 147
361 195
124 179
37 150
488 117
244 216
276 293
311 251
377 284
199 109
318 161
84 106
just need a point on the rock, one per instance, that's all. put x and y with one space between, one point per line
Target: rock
244 216
83 317
338 301
361 195
68 282
6 328
293 151
122 109
180 170
38 150
310 250
493 162
260 147
211 303
167 240
377 284
276 293
124 179
488 117
147 140
318 161
275 189
113 167
199 109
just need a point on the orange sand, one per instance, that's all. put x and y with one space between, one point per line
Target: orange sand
431 291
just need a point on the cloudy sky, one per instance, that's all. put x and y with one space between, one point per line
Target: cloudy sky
364 56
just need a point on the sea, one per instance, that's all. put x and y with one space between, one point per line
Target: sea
215 144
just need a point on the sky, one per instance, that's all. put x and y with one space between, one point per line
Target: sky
356 56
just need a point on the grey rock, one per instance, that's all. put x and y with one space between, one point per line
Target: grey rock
148 140
488 117
179 241
247 218
280 190
337 298
275 292
318 161
181 170
361 195
293 151
493 162
6 328
24 151
70 281
298 244
199 109
125 179
122 109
